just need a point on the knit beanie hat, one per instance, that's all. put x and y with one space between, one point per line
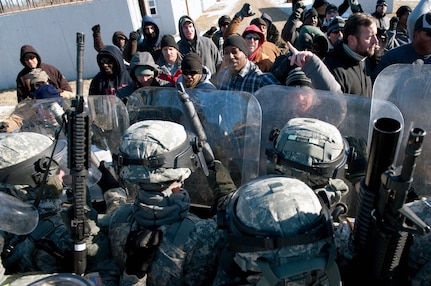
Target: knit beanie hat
423 22
310 13
225 19
237 41
144 70
297 77
168 41
258 22
192 62
402 10
335 23
38 75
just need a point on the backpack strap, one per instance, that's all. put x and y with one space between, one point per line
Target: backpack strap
179 232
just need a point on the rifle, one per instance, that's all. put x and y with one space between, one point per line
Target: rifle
78 135
384 221
202 145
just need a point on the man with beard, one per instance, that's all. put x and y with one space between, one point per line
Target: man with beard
148 41
348 61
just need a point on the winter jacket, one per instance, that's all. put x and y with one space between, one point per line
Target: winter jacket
203 46
104 84
23 86
144 43
352 74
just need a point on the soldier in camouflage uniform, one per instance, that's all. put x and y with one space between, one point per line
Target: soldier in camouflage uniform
49 247
156 240
22 166
419 258
279 233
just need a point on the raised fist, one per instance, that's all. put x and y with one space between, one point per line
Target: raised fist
134 35
246 11
393 23
96 28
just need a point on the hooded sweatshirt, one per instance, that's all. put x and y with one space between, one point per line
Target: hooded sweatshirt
203 46
258 57
23 86
139 59
104 84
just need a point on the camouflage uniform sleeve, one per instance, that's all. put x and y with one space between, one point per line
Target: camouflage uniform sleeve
114 198
221 184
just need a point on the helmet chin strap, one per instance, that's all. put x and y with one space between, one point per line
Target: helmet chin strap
48 167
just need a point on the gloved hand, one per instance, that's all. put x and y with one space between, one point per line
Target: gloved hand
3 127
109 178
299 9
358 159
96 28
393 23
246 11
134 35
141 247
355 6
221 184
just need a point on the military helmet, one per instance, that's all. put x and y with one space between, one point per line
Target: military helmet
307 145
277 226
24 157
155 151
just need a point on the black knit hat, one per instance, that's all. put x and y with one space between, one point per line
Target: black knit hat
402 10
225 19
310 12
297 77
237 41
423 22
168 41
192 62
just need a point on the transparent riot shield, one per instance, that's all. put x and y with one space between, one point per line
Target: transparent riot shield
108 121
349 113
408 87
231 121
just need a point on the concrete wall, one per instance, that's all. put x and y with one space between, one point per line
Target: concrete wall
52 32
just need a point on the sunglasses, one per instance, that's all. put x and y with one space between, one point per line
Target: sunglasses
105 61
251 36
190 72
30 58
336 31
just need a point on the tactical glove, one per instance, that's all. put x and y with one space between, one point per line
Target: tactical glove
355 6
134 35
96 28
358 159
299 9
393 23
109 179
141 248
221 184
246 11
3 127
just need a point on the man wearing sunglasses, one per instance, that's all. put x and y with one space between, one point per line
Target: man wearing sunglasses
417 51
335 31
31 59
194 74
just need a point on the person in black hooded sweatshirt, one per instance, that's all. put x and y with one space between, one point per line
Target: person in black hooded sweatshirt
113 73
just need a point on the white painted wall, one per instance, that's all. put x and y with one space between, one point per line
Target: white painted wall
52 32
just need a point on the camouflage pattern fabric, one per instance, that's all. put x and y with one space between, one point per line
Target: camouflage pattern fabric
192 264
419 260
321 141
18 147
150 138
